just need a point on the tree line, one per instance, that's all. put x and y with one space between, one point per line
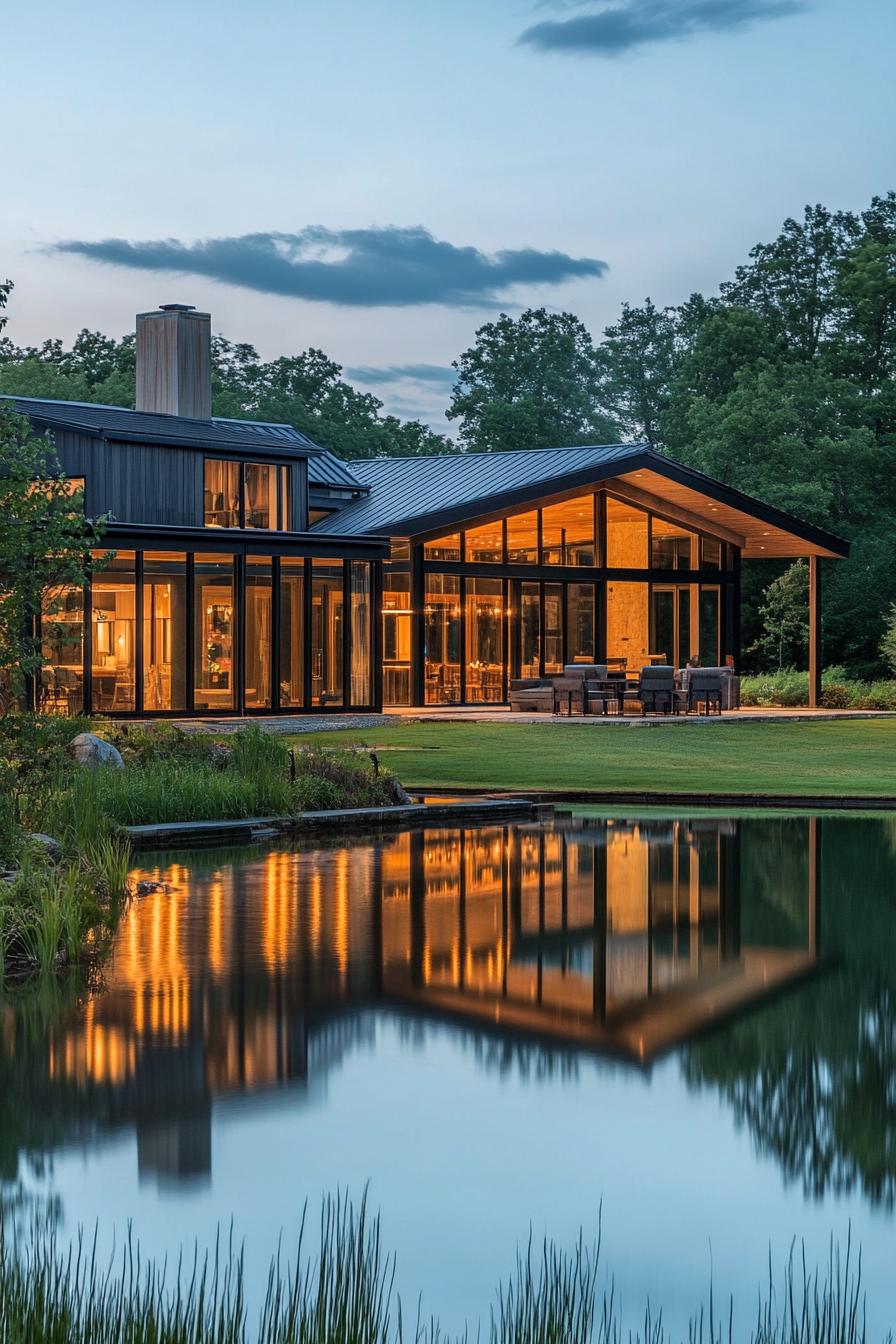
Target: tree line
783 385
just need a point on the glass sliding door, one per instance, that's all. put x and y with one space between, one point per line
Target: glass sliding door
326 632
580 622
164 630
530 629
213 633
553 629
442 639
292 633
114 661
259 621
485 640
397 636
360 650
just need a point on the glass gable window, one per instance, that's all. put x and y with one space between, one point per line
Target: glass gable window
567 532
522 538
671 547
443 548
485 544
246 494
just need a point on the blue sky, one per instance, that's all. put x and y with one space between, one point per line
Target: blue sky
378 179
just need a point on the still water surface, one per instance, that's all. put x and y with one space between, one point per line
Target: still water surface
687 1022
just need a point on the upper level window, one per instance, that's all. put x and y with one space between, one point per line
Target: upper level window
246 494
672 547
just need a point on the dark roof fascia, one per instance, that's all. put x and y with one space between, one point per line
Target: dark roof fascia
736 499
259 448
164 536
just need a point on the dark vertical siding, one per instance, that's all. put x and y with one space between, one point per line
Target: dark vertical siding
136 483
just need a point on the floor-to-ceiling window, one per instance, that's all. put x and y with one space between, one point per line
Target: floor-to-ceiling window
292 633
114 635
164 630
553 629
214 666
360 653
326 632
580 623
259 632
398 629
61 686
530 629
442 639
484 639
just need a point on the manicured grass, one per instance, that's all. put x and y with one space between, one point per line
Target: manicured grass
838 757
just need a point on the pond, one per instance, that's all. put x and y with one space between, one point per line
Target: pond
680 1028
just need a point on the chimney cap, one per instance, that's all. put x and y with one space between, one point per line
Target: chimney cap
177 307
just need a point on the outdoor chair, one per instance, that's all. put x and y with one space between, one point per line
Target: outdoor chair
704 686
597 697
655 690
531 694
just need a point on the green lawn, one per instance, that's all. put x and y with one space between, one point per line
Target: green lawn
835 757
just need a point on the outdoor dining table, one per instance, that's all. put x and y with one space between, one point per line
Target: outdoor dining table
616 684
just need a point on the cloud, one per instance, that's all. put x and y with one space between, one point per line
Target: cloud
360 268
619 28
437 375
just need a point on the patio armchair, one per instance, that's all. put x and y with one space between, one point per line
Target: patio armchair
655 690
704 684
531 695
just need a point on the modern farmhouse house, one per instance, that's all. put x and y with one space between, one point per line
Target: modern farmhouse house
255 572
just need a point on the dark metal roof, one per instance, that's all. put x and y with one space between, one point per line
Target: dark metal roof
328 469
411 494
120 424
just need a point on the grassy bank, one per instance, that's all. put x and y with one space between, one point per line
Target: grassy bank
62 898
346 1295
837 757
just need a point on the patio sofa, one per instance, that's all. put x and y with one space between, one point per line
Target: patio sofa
730 685
531 695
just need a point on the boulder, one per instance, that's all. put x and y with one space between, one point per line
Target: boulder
92 751
52 847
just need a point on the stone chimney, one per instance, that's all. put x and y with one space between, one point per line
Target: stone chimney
174 367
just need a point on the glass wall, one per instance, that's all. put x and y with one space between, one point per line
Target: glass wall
114 660
397 636
580 623
671 547
164 630
61 688
442 639
213 633
258 677
485 544
485 640
326 632
530 629
360 651
292 633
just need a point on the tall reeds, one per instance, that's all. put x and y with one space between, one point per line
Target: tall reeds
344 1293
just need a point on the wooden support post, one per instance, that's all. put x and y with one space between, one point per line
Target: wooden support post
815 632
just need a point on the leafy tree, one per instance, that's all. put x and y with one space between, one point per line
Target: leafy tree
784 615
888 643
304 390
44 539
530 382
636 363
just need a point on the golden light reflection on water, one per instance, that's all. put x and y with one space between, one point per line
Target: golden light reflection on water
580 930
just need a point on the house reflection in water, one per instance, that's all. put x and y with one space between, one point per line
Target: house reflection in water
242 975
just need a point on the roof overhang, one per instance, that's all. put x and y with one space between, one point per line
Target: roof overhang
667 488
